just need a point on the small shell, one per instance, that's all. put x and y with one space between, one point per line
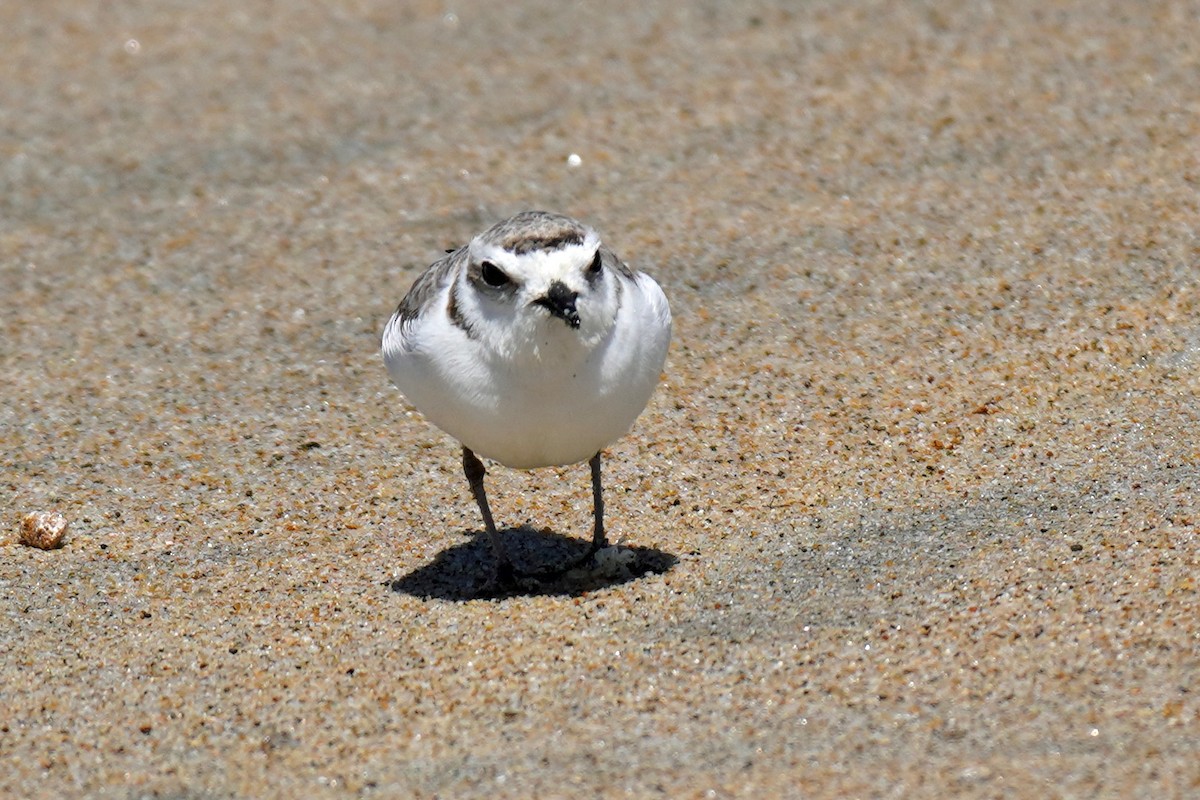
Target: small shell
614 560
43 529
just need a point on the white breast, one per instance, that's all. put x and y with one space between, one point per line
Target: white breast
559 403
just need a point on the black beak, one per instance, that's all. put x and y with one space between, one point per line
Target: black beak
560 301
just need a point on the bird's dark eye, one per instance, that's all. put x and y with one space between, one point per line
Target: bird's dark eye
492 275
596 265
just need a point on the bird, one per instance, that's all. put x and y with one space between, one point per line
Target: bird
533 345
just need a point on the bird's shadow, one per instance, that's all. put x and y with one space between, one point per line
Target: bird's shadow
463 571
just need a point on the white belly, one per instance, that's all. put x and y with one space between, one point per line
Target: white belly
559 405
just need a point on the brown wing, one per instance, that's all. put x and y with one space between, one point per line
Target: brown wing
427 287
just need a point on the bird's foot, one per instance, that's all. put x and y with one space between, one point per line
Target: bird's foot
505 580
597 561
508 580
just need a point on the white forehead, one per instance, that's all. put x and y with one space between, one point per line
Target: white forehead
553 262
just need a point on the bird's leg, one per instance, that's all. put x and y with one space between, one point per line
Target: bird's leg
473 469
599 540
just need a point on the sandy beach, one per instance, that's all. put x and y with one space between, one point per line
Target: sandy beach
915 505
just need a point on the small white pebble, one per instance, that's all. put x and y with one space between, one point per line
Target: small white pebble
44 530
574 160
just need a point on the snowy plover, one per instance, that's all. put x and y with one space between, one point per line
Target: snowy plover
534 346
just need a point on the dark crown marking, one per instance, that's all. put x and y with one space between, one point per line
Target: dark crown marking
522 244
532 231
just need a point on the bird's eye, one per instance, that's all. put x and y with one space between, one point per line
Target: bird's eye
596 265
492 275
